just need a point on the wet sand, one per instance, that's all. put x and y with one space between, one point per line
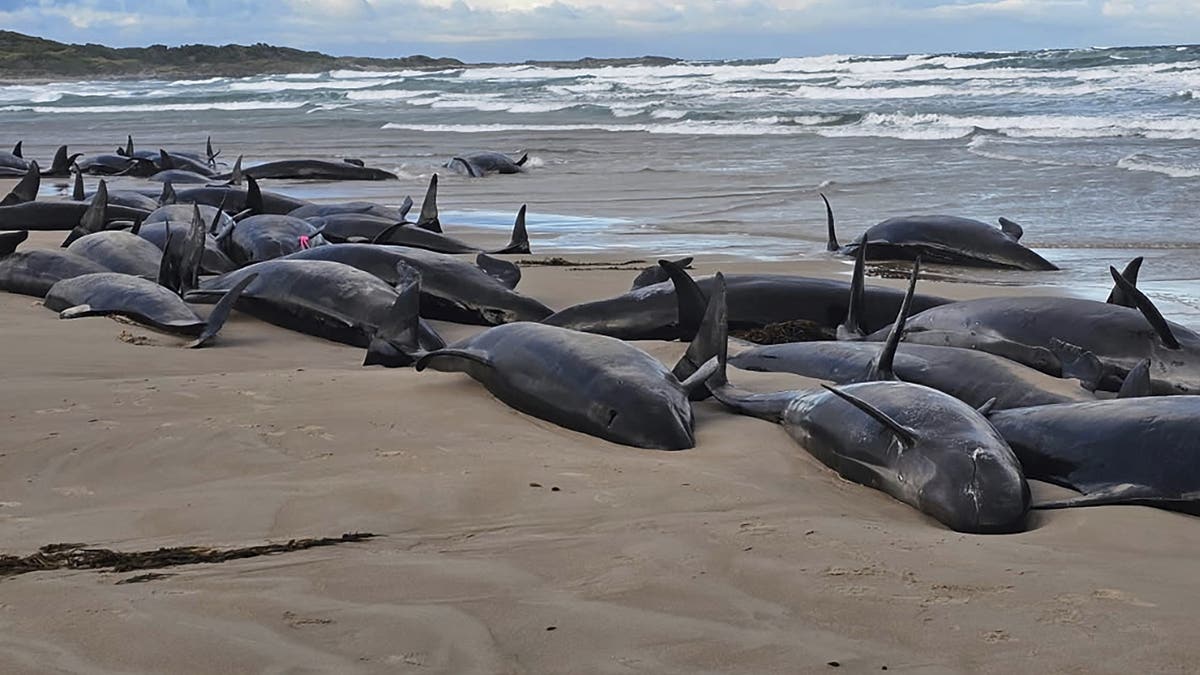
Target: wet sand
510 545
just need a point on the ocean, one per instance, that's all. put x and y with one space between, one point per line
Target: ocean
1096 152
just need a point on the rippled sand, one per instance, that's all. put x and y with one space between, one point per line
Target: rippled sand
509 545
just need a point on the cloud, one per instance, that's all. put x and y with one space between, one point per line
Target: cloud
519 29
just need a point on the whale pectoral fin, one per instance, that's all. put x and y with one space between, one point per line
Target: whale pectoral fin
354 162
1119 297
1147 308
691 303
26 190
881 369
986 408
406 206
217 317
78 311
1137 382
711 340
905 435
1126 493
1011 229
503 271
524 158
455 360
698 381
9 241
1078 363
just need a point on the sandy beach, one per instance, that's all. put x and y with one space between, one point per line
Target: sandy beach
507 544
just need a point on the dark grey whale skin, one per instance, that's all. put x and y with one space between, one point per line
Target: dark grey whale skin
1011 384
1029 328
948 240
1119 451
755 300
452 289
589 383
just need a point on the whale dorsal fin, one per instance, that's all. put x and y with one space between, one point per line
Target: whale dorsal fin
906 436
519 241
1011 229
882 368
524 158
1137 382
94 218
832 244
1117 296
1147 308
26 189
164 160
428 220
698 381
168 194
212 156
354 162
129 145
16 151
237 176
852 328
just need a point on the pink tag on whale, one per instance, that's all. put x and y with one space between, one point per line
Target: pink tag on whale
304 242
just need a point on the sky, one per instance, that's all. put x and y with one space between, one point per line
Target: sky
517 30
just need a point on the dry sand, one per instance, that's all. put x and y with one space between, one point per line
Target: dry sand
511 545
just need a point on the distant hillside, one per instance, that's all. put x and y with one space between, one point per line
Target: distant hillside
28 57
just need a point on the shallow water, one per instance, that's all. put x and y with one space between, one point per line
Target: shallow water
1095 152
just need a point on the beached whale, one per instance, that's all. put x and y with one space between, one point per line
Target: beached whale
1123 451
144 301
589 383
33 271
1052 333
52 216
948 240
404 234
919 445
264 237
452 289
336 302
755 300
480 164
313 169
365 221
